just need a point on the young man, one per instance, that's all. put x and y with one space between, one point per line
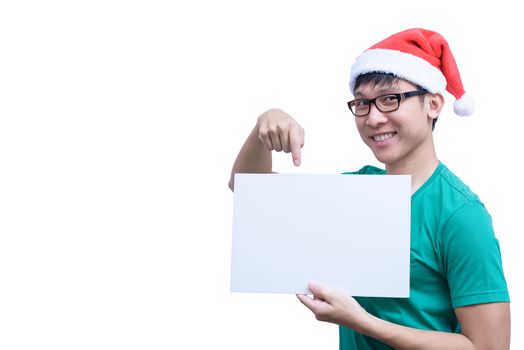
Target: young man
458 294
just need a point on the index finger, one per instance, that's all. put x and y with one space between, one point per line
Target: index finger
296 141
310 303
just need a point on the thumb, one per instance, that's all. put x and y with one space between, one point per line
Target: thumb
318 290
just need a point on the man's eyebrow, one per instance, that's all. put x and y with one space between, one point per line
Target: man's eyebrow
381 91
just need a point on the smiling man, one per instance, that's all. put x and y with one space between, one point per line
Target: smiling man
458 294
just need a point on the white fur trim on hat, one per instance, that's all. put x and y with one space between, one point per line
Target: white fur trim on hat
464 106
404 65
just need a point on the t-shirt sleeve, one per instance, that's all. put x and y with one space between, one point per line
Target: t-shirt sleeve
471 257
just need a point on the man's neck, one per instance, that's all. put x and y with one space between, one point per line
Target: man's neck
420 168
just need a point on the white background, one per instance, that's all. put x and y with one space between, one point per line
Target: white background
120 121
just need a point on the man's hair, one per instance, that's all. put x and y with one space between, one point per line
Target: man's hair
384 79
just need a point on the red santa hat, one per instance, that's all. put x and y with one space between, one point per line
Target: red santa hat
419 56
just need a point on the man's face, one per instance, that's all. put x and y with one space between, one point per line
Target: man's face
399 136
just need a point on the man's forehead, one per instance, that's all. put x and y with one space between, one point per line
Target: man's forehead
371 88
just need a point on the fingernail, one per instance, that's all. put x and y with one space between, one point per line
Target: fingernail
297 162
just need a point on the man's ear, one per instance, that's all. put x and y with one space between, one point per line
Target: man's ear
436 103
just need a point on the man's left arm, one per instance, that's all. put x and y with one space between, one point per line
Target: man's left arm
484 326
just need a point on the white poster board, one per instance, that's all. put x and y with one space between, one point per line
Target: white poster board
350 232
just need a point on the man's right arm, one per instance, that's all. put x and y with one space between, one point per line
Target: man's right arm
275 130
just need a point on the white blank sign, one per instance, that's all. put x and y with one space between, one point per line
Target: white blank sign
350 232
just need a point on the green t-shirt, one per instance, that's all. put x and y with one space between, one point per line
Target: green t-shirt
455 261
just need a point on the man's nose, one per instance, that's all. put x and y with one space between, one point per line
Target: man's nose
375 117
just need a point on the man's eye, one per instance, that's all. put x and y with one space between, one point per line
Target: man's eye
389 99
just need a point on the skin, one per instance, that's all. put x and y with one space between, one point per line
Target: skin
410 151
484 326
275 131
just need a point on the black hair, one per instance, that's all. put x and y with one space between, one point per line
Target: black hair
384 79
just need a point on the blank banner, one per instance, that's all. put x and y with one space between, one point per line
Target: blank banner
350 232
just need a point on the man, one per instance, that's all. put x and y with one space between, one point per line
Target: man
458 294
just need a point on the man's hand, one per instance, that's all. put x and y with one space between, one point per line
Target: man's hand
334 306
278 131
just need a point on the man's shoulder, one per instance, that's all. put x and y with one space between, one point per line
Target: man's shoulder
450 197
456 187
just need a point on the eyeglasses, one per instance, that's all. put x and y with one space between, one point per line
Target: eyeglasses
384 103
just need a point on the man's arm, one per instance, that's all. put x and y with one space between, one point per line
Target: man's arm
275 130
488 326
484 326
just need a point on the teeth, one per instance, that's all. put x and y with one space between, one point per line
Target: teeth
383 137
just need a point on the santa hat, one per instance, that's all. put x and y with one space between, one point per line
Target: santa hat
419 56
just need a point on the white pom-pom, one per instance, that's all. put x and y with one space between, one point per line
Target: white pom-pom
464 106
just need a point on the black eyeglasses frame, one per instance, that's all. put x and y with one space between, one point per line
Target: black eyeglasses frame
399 96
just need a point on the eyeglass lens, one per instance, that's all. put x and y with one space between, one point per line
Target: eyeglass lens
386 103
